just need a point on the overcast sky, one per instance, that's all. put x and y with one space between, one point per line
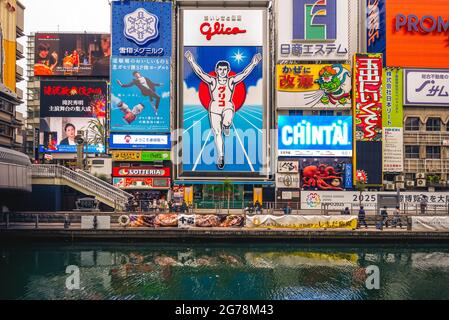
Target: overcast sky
63 15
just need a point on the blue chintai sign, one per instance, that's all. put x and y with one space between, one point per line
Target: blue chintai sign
141 28
315 136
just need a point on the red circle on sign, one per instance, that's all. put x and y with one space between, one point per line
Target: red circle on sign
238 98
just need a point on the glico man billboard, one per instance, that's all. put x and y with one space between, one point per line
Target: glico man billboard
315 136
223 94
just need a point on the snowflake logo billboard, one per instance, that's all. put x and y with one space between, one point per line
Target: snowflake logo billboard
318 22
223 108
315 136
141 26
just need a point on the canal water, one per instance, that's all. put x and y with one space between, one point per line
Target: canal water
222 271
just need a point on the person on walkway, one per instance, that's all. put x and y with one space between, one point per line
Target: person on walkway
346 212
361 218
397 218
184 207
250 208
384 217
258 207
423 204
288 209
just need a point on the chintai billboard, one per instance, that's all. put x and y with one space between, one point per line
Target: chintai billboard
68 107
315 136
223 93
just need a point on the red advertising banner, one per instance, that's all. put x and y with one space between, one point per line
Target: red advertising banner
368 97
142 171
141 183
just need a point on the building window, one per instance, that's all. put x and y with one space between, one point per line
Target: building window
6 106
339 113
295 112
433 152
326 113
412 152
433 124
412 124
5 130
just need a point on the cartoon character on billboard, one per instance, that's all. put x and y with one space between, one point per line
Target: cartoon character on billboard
221 108
147 89
332 81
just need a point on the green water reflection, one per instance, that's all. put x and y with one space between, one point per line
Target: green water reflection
227 271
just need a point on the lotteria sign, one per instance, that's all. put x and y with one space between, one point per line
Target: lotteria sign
315 136
140 172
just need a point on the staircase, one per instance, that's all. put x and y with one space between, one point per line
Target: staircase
82 182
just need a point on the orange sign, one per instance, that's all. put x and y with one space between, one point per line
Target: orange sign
417 33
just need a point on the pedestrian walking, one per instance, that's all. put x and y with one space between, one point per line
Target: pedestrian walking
361 218
384 218
423 204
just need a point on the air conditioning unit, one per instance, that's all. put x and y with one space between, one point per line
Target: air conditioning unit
410 183
421 175
399 179
400 185
390 186
421 182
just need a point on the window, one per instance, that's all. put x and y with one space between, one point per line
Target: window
339 113
295 112
5 130
412 152
6 106
433 124
412 124
326 113
433 152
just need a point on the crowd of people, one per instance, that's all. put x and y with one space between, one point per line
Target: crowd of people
148 202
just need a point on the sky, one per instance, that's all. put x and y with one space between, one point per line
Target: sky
63 15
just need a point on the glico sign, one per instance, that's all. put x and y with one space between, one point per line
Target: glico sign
315 136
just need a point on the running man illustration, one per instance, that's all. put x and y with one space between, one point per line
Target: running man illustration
221 88
147 89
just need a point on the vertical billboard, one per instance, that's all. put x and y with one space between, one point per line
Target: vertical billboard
313 30
140 95
223 95
392 120
70 106
72 54
368 116
319 86
141 29
376 27
408 27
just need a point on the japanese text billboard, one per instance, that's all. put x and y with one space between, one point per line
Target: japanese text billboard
392 118
140 156
426 87
141 28
326 174
141 171
141 183
140 95
368 97
313 30
314 86
223 92
376 26
140 141
70 106
315 136
417 34
72 54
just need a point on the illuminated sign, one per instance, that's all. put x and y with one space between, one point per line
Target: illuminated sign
424 24
376 25
140 172
141 183
314 136
140 141
315 20
143 156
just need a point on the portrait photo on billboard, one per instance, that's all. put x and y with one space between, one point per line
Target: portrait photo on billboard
223 106
70 54
326 174
140 95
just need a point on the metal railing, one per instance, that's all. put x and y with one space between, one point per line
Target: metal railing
85 181
104 183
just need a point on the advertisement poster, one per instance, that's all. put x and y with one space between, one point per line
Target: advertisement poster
72 54
141 171
140 95
141 183
325 174
70 106
140 141
314 86
141 28
315 136
368 97
313 29
426 87
288 166
223 92
141 156
302 222
392 118
376 26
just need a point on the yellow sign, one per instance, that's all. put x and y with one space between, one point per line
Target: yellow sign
188 195
258 195
126 155
301 222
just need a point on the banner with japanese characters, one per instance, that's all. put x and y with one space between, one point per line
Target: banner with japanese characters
68 107
425 87
392 121
368 97
140 95
324 86
142 29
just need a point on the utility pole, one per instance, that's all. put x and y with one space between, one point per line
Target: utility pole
79 139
